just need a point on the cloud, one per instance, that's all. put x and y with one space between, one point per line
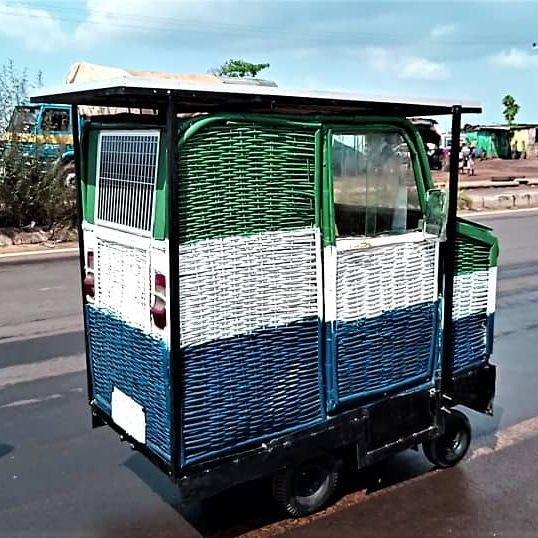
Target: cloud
170 22
442 30
37 29
405 66
417 68
515 59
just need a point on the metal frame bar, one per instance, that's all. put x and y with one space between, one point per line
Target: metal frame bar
82 256
449 251
173 253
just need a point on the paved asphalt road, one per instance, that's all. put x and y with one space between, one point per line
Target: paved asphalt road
59 478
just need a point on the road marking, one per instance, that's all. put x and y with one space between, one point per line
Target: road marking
70 250
53 288
24 373
20 403
507 438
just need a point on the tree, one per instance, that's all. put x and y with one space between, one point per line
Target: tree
238 68
14 87
13 91
511 108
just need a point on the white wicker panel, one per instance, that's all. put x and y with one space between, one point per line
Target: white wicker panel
471 291
236 285
492 291
123 282
374 280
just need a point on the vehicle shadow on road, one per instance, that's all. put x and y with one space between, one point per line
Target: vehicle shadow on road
250 508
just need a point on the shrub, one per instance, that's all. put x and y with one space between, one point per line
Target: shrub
33 191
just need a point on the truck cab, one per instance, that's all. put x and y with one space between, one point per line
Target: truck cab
40 131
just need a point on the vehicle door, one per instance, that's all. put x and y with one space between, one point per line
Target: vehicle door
380 268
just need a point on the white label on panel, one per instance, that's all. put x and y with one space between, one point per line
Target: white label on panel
128 415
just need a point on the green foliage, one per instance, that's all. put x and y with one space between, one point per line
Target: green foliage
238 68
33 191
511 108
14 85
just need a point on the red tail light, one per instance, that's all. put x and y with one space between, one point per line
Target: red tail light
89 286
89 280
160 283
158 312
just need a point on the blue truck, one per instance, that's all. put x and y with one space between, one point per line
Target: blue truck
41 132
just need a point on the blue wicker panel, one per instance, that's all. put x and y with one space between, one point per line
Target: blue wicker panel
249 388
137 364
469 342
382 353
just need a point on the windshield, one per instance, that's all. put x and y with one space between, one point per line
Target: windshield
23 120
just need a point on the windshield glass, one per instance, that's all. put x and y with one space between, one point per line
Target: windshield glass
23 120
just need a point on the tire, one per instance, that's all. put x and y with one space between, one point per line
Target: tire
451 447
306 488
69 174
65 173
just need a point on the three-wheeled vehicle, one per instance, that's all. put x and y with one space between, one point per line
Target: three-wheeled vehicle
273 285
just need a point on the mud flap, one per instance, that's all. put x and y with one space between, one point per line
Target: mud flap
474 389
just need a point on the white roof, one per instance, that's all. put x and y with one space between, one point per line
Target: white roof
144 92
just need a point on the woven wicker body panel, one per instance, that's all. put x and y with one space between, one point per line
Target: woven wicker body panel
471 255
250 328
249 270
470 304
378 354
469 342
373 281
236 285
122 284
470 294
250 387
386 312
243 179
125 357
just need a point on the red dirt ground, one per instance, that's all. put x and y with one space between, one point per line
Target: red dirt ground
497 168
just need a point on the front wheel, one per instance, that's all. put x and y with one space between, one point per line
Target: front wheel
307 487
450 448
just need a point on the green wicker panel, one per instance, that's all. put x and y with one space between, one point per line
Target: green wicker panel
471 255
244 179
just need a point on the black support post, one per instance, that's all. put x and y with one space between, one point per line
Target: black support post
173 253
449 250
82 259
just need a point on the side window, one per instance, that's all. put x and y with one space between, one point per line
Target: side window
374 185
54 119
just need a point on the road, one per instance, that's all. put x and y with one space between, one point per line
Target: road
60 478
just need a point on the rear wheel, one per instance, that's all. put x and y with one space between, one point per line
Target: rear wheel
307 487
450 448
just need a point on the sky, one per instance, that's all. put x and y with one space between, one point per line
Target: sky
441 49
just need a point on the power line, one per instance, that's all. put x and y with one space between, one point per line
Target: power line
172 24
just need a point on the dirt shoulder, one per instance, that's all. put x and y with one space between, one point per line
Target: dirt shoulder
496 170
